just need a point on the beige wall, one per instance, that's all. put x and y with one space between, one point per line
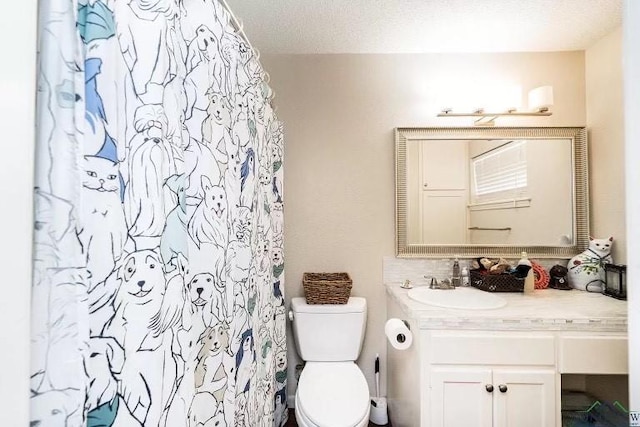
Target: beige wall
605 119
339 113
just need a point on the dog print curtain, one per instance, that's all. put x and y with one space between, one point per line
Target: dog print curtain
158 269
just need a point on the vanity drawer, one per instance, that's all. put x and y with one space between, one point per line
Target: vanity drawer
593 355
480 349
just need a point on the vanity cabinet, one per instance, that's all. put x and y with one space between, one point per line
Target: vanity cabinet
491 379
539 347
459 397
509 378
485 397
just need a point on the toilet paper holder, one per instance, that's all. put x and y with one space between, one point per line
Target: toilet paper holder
398 332
401 337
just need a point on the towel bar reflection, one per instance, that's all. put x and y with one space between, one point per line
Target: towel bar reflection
491 228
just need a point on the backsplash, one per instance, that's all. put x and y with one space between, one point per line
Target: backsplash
397 270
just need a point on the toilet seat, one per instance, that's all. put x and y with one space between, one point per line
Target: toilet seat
332 394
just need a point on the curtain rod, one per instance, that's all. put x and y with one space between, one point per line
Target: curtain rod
239 28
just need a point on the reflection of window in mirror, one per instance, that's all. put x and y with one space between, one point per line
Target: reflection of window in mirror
520 192
498 172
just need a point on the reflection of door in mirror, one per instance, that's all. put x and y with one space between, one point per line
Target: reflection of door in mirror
482 192
438 191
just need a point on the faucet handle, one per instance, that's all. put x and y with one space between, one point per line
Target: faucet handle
407 284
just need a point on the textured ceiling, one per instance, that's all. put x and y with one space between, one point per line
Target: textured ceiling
414 26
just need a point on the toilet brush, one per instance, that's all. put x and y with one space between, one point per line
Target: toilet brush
378 415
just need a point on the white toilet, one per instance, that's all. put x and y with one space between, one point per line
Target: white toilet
332 391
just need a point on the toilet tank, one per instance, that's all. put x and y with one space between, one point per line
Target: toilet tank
329 332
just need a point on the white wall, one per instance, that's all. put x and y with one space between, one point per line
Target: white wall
17 94
631 39
340 112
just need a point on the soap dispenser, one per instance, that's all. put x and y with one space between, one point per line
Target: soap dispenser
529 281
455 274
465 276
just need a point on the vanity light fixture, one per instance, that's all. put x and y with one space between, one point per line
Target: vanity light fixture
540 103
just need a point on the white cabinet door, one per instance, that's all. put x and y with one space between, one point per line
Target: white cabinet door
459 397
524 398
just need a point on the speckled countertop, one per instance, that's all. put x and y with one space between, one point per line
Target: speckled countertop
546 309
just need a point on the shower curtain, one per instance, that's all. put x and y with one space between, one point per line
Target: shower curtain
157 294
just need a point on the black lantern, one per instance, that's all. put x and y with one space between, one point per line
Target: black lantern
615 281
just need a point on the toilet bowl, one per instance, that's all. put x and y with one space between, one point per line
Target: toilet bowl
332 394
332 391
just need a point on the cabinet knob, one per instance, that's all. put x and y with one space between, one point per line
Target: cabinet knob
503 388
489 388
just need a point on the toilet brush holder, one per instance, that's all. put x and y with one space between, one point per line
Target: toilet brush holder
378 414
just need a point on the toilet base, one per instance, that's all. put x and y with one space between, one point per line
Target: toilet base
303 421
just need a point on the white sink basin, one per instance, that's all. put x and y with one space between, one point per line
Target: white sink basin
462 298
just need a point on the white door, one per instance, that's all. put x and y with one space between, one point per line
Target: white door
450 174
444 217
460 398
444 192
524 398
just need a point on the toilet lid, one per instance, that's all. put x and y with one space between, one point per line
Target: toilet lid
333 394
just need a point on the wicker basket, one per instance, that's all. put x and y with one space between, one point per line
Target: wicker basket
496 282
326 288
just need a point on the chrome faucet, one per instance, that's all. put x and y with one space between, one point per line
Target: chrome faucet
444 285
434 282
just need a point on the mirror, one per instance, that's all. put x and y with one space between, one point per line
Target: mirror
491 192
